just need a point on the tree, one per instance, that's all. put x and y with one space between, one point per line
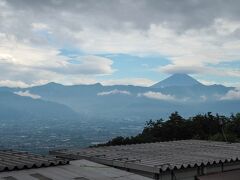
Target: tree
204 127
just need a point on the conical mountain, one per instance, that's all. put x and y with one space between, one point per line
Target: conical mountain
177 80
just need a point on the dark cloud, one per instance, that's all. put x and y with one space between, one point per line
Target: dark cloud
198 31
66 18
181 14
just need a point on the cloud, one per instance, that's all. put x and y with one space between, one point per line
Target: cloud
197 48
172 69
27 94
157 96
39 26
21 84
29 64
9 83
23 55
207 82
199 33
88 65
186 14
129 81
113 92
198 69
203 98
231 95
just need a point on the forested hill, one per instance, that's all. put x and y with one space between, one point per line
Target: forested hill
204 127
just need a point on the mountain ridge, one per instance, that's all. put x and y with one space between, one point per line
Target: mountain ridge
138 101
173 80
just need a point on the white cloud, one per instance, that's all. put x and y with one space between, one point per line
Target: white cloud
225 27
190 52
198 69
129 81
196 47
171 69
231 95
9 83
27 94
203 98
157 96
21 84
208 83
113 92
40 26
23 62
88 65
25 56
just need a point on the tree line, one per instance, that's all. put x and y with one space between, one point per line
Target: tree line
202 126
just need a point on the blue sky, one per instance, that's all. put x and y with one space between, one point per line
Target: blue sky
118 42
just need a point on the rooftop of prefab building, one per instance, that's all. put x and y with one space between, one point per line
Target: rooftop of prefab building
17 160
160 156
78 170
17 165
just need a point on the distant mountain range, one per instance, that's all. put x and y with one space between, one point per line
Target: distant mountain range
179 92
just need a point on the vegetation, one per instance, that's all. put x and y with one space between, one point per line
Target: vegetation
202 127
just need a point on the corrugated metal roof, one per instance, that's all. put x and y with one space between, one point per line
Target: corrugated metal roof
13 160
229 175
78 170
153 157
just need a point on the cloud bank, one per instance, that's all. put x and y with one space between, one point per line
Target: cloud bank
232 95
157 96
113 92
27 94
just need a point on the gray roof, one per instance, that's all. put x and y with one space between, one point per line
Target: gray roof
161 156
79 170
229 175
15 160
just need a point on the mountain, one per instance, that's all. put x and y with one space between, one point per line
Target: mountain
177 80
69 116
121 102
19 108
180 92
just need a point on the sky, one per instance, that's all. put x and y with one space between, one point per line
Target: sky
138 42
